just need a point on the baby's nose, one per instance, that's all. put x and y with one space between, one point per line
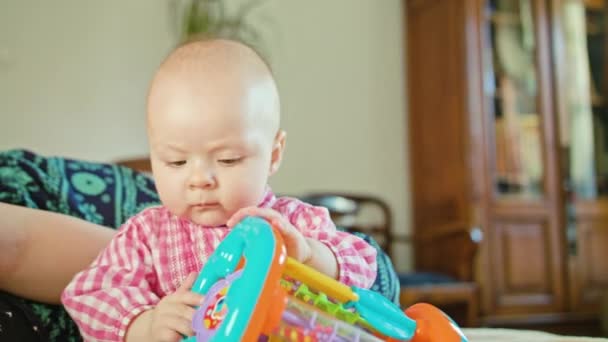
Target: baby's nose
202 179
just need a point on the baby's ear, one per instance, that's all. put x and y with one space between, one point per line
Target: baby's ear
278 146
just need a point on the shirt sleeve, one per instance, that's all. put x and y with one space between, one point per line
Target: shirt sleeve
356 258
104 298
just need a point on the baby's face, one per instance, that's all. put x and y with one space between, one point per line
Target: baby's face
210 150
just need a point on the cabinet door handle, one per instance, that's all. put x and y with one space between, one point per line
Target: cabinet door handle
476 234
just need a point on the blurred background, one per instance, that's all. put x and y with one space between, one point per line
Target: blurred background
74 76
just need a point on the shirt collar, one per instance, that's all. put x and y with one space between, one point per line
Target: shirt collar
268 199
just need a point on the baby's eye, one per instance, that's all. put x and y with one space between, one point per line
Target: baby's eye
230 161
176 163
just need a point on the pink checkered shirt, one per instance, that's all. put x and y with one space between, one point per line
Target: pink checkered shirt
154 251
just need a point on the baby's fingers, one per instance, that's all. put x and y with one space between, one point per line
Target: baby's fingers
184 312
189 298
181 325
239 216
187 283
270 215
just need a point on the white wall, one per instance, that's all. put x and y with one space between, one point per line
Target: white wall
73 76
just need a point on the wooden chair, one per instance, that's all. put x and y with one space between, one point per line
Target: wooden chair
448 284
350 211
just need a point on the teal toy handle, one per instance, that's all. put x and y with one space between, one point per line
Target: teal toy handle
383 315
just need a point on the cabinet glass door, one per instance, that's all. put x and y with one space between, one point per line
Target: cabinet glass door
511 85
522 189
582 89
584 118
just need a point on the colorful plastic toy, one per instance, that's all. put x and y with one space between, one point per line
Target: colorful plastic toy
254 292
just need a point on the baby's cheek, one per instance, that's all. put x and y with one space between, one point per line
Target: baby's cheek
242 200
245 195
173 200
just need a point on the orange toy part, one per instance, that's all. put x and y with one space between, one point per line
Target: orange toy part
263 313
275 311
432 325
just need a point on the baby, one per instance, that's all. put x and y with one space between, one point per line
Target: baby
213 129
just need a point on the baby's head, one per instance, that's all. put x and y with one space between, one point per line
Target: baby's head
213 129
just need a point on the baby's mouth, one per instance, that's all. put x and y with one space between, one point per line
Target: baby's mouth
207 205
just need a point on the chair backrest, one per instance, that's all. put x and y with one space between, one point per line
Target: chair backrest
458 243
357 213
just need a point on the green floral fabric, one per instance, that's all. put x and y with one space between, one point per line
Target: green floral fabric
105 194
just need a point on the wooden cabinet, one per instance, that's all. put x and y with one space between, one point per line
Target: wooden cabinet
589 266
508 122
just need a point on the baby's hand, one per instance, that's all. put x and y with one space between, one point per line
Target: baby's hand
172 316
296 244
